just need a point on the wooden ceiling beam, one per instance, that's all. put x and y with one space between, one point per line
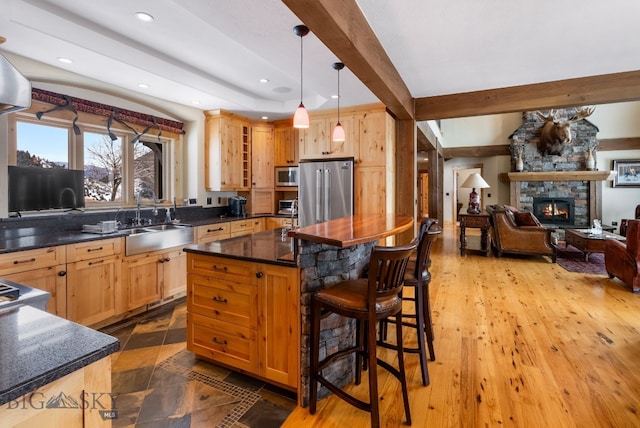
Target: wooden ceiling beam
343 28
476 151
607 88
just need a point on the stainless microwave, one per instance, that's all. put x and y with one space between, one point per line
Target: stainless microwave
287 176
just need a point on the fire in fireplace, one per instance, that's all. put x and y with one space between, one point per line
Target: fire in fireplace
554 210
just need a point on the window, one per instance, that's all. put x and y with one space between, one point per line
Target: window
114 169
102 168
42 146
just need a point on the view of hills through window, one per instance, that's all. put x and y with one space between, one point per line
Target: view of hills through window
104 162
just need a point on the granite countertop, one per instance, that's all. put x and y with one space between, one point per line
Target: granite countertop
24 239
266 247
37 348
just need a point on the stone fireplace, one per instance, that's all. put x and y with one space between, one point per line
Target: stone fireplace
556 178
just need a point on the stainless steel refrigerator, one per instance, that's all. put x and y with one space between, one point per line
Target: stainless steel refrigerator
325 190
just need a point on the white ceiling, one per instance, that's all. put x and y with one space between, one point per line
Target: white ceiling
216 51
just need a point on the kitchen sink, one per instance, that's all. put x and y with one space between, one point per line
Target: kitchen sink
159 237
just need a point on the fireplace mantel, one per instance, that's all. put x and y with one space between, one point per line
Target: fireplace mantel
511 177
595 178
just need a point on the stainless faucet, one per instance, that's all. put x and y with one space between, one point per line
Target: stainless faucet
150 194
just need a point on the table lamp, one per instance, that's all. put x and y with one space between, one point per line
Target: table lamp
474 181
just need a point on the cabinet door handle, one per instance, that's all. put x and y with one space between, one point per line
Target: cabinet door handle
215 230
96 262
219 299
223 268
259 274
219 342
164 260
94 249
62 273
17 262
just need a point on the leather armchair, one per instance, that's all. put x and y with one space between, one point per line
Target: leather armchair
623 260
510 237
624 223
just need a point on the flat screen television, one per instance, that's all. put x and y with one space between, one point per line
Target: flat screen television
36 189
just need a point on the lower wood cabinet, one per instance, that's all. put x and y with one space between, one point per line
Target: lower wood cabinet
93 288
245 315
93 280
91 383
153 276
50 279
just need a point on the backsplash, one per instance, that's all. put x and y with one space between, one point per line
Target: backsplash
72 221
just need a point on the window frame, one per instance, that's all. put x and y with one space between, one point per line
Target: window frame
97 124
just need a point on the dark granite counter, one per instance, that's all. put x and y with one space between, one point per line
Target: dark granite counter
37 348
265 247
28 238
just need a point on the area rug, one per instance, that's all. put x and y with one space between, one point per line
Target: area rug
572 259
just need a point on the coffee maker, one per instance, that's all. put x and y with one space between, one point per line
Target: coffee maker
237 206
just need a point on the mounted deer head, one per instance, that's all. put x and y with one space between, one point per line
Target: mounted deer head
555 134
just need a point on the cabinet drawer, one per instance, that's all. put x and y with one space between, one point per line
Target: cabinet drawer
219 341
22 261
221 268
212 232
231 302
94 249
242 225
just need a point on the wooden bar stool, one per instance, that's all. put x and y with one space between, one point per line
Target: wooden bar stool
420 318
367 300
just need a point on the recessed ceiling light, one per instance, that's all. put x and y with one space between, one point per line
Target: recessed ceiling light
195 102
265 117
334 97
143 85
264 80
144 16
64 60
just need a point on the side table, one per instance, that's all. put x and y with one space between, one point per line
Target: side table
480 221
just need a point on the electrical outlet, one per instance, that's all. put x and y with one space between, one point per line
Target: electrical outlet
614 223
208 200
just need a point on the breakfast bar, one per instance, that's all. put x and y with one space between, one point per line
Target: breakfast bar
248 296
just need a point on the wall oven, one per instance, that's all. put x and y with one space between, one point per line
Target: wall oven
287 176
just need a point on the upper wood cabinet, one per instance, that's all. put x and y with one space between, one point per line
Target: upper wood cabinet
227 152
376 133
262 155
286 146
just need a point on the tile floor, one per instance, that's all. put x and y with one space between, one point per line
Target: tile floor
158 383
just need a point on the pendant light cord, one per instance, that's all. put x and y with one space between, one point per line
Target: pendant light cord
301 74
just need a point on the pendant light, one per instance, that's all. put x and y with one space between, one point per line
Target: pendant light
338 131
301 117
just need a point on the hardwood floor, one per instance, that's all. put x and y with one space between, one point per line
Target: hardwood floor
520 342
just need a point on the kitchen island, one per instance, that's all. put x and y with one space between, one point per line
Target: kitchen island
247 297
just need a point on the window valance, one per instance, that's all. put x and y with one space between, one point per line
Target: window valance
92 107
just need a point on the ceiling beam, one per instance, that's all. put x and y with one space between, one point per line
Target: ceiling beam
343 28
477 151
608 88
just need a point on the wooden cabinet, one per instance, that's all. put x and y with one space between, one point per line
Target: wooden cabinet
92 382
42 268
236 316
227 152
315 141
278 323
262 157
376 135
247 226
277 222
262 201
153 276
93 280
213 232
286 146
370 193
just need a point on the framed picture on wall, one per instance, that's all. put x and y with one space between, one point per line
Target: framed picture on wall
627 173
